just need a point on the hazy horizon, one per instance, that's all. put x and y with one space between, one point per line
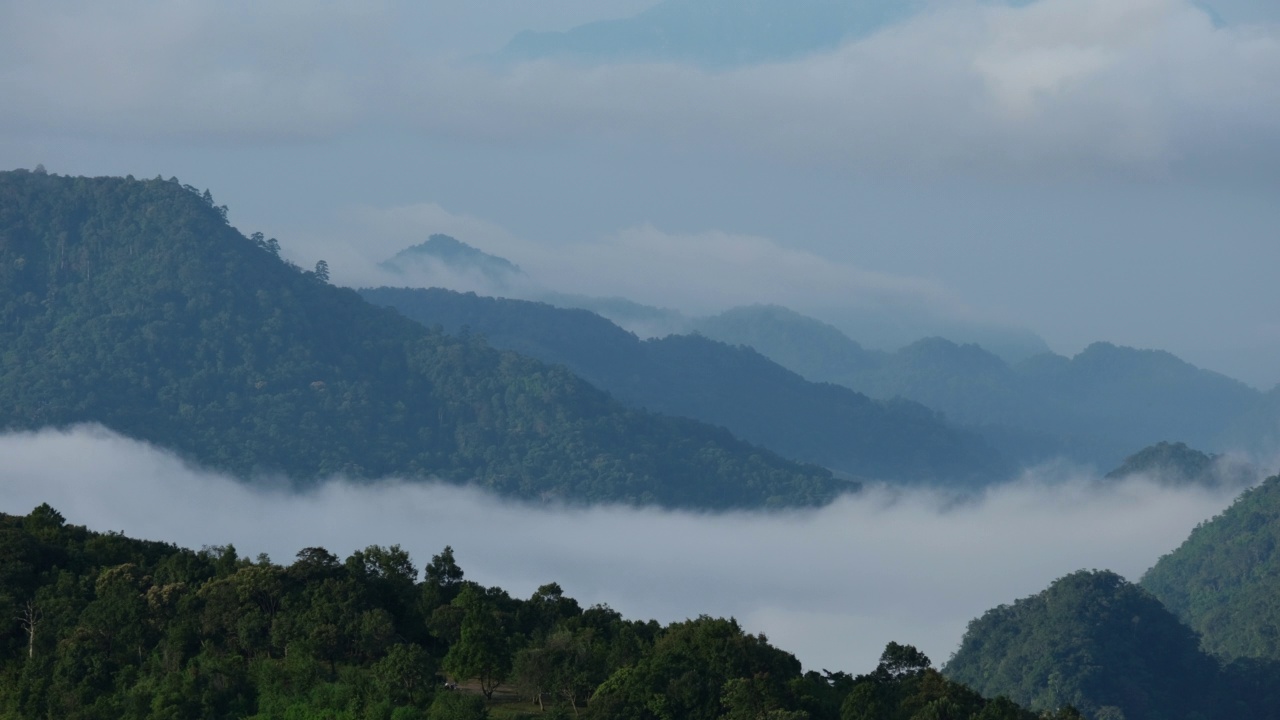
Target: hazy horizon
1090 170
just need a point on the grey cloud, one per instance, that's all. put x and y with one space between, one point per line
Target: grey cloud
832 586
233 71
1063 86
1058 86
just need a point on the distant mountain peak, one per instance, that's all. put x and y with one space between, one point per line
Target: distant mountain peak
454 255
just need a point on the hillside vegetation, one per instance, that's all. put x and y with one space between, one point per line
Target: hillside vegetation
103 626
1224 581
1105 646
135 305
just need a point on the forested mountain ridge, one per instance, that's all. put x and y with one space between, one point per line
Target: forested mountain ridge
135 305
1224 581
735 387
1106 646
103 626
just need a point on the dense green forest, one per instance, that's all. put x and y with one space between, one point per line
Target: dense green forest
1109 648
1224 581
734 387
101 626
134 304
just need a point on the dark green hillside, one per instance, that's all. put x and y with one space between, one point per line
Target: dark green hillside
96 626
1224 581
1101 644
135 305
734 387
1177 464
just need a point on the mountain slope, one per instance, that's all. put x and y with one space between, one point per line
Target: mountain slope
1224 581
737 388
1094 641
442 252
133 304
812 348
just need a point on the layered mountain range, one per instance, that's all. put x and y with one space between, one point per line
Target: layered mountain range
134 305
1029 404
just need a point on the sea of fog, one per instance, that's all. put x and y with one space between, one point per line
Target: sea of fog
830 585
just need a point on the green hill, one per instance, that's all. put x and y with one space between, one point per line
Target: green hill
1224 581
734 387
1101 644
1177 464
135 305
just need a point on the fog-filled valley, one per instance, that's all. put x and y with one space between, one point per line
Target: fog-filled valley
832 585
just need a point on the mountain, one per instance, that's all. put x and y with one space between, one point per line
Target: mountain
715 32
442 252
810 347
1093 408
1101 644
134 304
645 321
735 387
1177 464
1224 581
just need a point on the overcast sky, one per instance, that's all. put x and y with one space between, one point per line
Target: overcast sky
1088 169
832 586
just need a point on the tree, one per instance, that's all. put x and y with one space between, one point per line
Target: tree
322 271
30 618
406 673
899 660
483 649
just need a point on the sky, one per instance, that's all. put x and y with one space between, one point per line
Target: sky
833 586
1086 169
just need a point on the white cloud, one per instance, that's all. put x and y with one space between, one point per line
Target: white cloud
697 273
1063 85
712 271
187 70
832 585
1058 85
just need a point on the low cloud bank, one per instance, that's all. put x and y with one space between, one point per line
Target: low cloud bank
832 586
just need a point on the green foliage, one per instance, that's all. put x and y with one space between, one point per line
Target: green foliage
457 706
1095 642
904 686
133 304
1224 581
147 631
